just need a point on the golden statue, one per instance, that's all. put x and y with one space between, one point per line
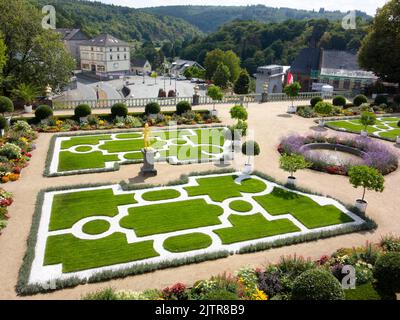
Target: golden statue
146 136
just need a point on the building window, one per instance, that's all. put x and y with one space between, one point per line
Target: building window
357 84
336 84
124 49
85 66
116 65
101 68
124 56
110 56
91 48
346 84
117 56
110 49
117 48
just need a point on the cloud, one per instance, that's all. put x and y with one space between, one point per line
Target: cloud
368 6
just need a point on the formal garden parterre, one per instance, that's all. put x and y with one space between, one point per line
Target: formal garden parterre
85 233
83 153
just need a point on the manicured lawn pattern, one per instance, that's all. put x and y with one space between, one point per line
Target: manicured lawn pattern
187 242
101 151
168 222
385 127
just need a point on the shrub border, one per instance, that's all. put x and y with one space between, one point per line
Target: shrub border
116 167
23 288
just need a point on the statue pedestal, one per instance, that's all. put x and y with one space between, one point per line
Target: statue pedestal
148 162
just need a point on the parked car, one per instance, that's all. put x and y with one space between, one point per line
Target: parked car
194 80
180 78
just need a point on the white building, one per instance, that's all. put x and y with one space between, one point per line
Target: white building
273 75
140 66
179 66
105 56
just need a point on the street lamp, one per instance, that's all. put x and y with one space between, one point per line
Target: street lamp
174 67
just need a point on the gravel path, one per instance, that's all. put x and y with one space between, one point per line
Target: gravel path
269 122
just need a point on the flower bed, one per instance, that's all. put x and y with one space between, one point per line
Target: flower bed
15 148
372 153
281 281
5 201
107 122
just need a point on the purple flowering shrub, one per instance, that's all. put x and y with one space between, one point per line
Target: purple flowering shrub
376 154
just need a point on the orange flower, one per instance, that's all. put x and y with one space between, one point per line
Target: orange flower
13 177
5 179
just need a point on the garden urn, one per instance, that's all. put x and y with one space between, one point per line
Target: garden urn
248 168
361 205
214 113
28 108
291 181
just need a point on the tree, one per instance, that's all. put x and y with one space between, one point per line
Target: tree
250 148
239 113
34 55
154 75
221 76
213 59
215 93
232 61
25 92
3 56
292 163
366 177
368 119
6 105
292 90
380 49
242 84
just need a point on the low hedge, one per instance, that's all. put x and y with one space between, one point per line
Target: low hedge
43 112
82 110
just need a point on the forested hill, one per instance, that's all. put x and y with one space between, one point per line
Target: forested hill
122 22
210 18
259 43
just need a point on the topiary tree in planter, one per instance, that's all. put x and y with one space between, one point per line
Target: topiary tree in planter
6 105
387 273
216 94
3 125
82 111
324 109
315 100
43 112
369 179
339 101
317 284
250 148
27 93
183 107
367 119
152 108
359 100
292 91
292 163
119 110
239 113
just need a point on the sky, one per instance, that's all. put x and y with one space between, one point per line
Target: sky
368 6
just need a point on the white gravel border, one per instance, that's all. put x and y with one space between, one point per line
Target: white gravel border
43 274
53 169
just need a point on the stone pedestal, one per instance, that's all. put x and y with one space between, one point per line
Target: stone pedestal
264 97
148 162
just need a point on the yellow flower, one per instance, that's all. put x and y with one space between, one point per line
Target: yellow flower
101 122
259 295
59 122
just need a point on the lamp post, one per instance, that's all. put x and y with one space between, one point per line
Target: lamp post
174 66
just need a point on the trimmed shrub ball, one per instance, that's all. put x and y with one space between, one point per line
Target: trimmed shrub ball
250 148
315 100
119 110
317 284
43 112
359 100
183 107
339 101
6 105
324 108
3 123
82 110
380 99
152 108
387 272
398 124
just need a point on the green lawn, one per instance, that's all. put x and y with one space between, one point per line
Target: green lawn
187 242
362 292
69 161
225 187
132 143
356 126
148 219
307 211
69 208
240 206
168 217
161 195
253 227
76 254
96 227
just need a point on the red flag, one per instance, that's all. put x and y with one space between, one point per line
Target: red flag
289 78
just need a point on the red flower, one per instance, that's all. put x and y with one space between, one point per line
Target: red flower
28 155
